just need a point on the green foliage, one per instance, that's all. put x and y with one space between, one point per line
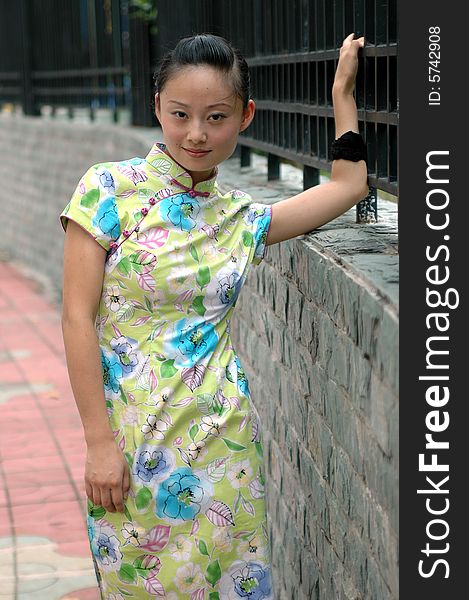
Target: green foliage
146 11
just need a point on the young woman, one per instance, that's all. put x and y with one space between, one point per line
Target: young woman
174 470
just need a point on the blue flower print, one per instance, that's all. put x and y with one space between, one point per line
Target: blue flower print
229 287
258 216
189 341
112 371
106 218
106 547
242 380
222 292
125 349
153 463
249 580
90 522
106 181
182 496
181 210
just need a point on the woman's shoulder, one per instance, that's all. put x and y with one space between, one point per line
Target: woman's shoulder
110 176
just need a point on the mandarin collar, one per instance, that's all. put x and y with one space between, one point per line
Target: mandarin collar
174 174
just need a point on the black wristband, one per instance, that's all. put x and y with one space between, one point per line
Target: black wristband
349 146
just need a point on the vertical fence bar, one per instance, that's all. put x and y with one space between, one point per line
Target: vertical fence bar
29 107
273 167
245 158
140 72
310 177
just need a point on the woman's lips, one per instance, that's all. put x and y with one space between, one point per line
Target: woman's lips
196 153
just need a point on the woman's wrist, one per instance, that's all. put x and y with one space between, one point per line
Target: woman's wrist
98 436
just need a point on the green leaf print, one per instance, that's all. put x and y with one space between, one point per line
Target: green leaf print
143 498
233 445
213 572
198 305
127 573
216 470
97 512
214 596
261 476
193 431
145 193
203 276
125 313
204 404
248 238
142 261
124 267
130 458
210 405
168 369
90 198
127 513
228 375
203 548
148 304
259 449
162 165
123 396
193 252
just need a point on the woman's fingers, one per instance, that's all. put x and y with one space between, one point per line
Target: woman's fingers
106 500
117 497
96 496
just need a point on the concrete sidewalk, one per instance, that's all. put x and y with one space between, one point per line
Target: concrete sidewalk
44 552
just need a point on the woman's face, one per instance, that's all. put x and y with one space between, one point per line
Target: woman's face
201 118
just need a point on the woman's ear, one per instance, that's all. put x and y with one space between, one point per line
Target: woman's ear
157 106
248 115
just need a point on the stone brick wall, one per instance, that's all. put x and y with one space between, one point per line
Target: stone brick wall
41 162
316 328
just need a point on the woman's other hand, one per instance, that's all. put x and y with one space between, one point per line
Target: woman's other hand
106 475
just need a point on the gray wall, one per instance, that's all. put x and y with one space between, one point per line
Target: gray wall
316 328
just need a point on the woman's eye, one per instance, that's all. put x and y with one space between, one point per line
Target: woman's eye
217 117
179 114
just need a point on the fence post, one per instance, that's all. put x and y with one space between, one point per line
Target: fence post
367 209
310 177
273 167
29 107
245 156
140 72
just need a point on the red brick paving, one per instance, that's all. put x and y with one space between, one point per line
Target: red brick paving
41 443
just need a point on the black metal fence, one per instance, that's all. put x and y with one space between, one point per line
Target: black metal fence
92 53
64 54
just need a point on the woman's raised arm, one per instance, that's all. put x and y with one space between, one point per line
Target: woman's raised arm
348 184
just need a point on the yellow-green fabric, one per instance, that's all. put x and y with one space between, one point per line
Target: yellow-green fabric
177 396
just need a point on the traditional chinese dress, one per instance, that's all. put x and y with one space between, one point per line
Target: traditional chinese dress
178 399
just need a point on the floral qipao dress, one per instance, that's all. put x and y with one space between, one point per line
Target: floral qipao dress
178 399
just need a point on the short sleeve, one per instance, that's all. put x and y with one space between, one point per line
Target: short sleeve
93 206
260 217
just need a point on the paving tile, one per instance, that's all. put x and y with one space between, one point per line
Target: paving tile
42 493
5 525
45 572
23 464
60 522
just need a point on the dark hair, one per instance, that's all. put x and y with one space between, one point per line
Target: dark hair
211 50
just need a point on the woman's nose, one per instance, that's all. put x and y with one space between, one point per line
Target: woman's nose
196 134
